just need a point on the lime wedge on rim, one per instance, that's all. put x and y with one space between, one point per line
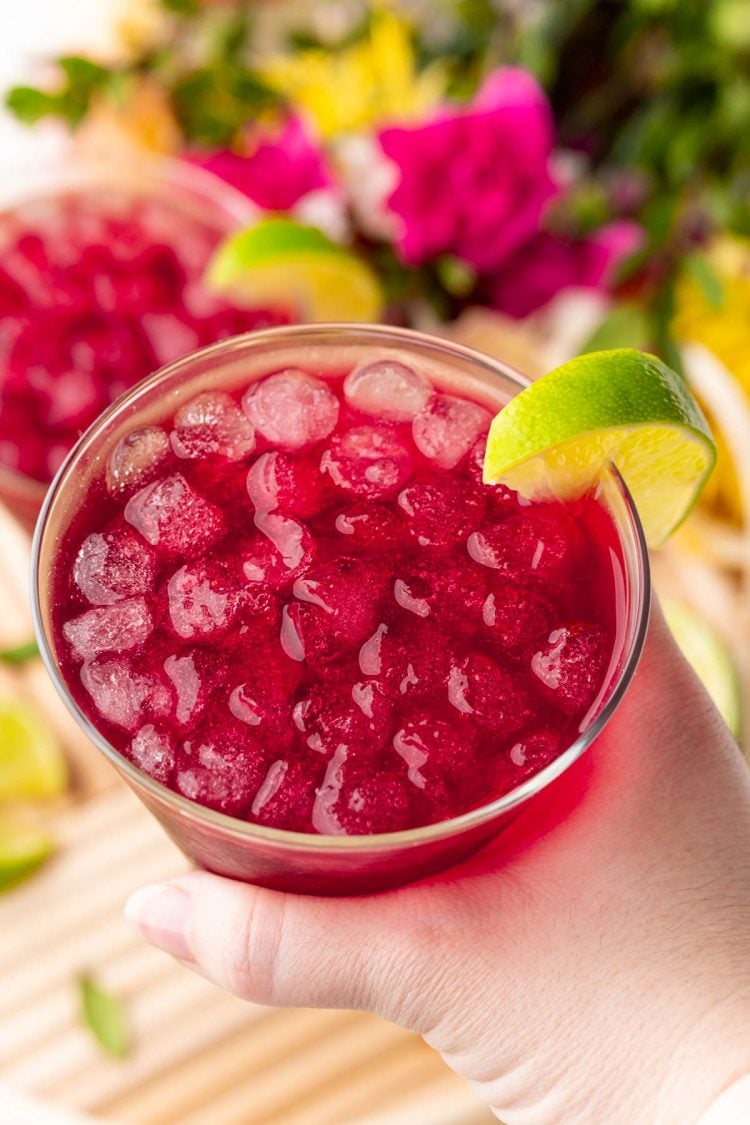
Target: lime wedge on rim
281 263
554 439
704 649
31 761
23 848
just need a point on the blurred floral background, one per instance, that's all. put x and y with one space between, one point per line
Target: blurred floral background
531 177
536 178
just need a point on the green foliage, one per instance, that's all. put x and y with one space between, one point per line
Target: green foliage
81 79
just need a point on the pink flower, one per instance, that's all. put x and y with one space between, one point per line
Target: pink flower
547 263
278 171
474 182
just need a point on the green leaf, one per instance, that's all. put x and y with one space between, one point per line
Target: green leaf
19 654
83 73
626 326
28 104
702 272
455 275
182 7
104 1015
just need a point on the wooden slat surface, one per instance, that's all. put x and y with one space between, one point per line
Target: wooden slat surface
200 1056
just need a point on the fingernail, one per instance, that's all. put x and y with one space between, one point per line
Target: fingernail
162 914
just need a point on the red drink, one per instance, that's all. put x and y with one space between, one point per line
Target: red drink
293 602
99 285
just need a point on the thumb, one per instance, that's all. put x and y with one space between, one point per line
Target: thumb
288 950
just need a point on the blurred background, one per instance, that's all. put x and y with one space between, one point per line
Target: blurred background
530 177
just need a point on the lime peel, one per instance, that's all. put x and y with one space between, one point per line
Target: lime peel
709 657
281 262
23 848
554 439
32 764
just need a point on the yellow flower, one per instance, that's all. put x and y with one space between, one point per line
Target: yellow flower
369 82
144 120
724 330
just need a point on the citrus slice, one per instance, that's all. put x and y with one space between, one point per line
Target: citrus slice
23 848
554 439
279 262
704 649
31 761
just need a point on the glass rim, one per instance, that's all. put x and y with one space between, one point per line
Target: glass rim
283 838
76 171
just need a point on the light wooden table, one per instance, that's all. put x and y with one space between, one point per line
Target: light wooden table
200 1057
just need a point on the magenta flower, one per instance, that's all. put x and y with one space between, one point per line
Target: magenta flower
546 264
474 182
278 171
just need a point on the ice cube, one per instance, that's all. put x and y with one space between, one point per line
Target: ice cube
292 409
277 481
212 425
340 608
388 389
152 752
292 550
188 686
113 565
285 799
372 526
452 594
517 618
372 802
539 546
432 747
447 427
135 458
368 461
172 517
109 628
493 698
534 752
122 695
333 714
203 599
441 513
222 767
570 665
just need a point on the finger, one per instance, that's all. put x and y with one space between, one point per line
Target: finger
281 949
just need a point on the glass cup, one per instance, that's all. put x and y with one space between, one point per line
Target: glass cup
188 190
290 860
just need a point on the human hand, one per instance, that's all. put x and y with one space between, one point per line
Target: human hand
590 965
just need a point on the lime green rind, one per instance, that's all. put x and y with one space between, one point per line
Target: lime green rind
646 391
268 242
709 657
32 765
22 852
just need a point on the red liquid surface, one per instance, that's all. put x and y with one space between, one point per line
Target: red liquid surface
317 618
95 294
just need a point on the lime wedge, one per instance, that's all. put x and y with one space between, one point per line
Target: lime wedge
31 761
554 439
23 848
704 649
280 263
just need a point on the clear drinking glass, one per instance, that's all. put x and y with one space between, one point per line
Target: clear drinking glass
187 190
290 860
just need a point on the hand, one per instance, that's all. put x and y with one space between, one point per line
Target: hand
591 965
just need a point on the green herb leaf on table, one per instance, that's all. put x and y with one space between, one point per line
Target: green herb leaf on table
104 1015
